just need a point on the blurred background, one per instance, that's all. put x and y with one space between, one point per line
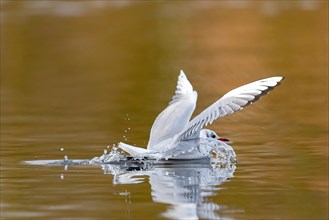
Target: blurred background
82 75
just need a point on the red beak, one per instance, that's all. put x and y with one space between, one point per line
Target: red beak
223 139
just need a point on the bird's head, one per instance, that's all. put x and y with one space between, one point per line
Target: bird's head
209 134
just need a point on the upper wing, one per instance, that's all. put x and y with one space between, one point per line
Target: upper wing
231 102
176 116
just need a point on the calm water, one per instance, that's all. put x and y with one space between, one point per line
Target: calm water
84 75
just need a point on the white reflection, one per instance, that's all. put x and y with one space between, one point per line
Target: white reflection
184 186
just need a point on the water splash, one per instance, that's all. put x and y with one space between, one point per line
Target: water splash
219 150
127 117
220 153
112 157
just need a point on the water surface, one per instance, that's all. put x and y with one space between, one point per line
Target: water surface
81 76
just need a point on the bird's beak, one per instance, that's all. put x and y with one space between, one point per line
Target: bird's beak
223 139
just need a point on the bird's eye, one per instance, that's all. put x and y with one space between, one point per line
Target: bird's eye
213 136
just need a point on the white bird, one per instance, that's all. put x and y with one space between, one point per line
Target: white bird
174 136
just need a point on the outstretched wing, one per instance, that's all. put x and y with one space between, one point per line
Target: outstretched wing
231 102
176 116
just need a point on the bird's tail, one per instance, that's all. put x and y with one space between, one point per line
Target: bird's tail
132 150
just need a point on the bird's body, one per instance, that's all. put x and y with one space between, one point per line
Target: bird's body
174 136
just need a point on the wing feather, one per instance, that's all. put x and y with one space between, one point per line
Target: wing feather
231 102
176 116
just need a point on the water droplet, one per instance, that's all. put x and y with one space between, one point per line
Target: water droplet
108 146
66 158
62 176
62 148
105 151
128 128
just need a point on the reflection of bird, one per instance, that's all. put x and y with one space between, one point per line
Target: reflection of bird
175 136
185 186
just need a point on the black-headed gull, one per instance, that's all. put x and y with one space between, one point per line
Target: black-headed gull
174 136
